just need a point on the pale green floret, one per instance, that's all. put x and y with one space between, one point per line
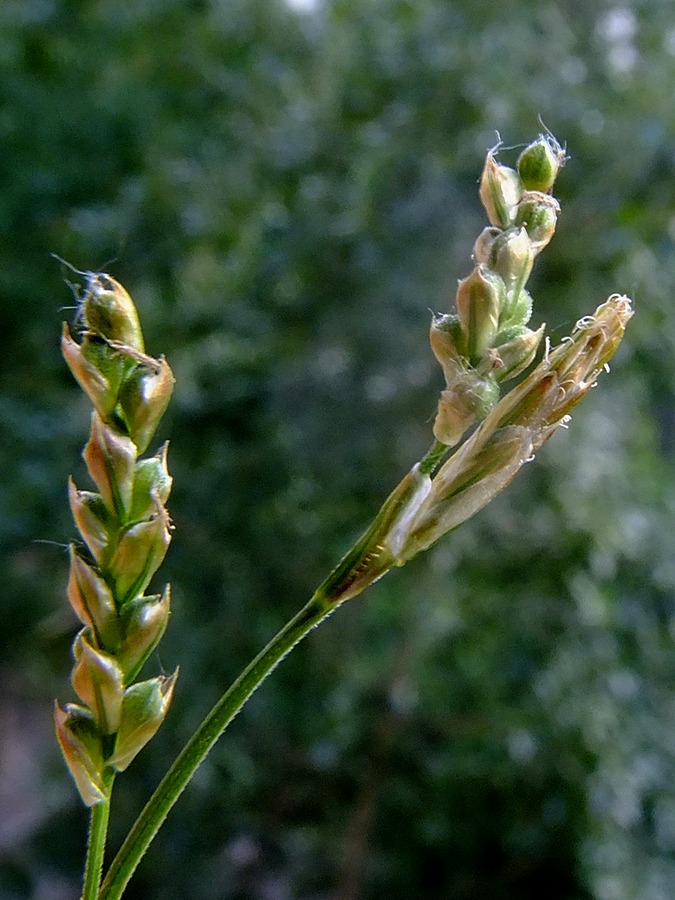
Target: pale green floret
538 214
539 164
143 710
92 519
464 402
152 482
516 352
111 462
512 258
448 345
98 682
500 190
109 312
143 399
144 621
93 602
80 743
479 301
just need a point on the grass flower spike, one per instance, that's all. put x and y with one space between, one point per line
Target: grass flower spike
126 530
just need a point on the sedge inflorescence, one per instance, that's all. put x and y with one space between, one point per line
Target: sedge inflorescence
483 438
125 530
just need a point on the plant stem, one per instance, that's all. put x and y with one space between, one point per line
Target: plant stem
195 751
98 830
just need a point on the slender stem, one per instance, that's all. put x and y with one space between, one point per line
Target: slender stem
194 752
98 830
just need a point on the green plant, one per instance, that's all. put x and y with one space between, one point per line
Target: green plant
125 526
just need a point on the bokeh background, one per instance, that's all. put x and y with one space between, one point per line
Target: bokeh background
288 189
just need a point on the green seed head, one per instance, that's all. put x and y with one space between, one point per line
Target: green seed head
143 399
513 257
97 679
538 214
479 302
448 345
500 191
144 621
540 162
143 710
80 742
109 312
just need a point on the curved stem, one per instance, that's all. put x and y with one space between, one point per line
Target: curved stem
98 830
194 752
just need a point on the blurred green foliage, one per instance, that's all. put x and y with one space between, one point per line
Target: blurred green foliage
286 193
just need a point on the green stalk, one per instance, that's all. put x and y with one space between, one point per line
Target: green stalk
98 831
431 460
193 754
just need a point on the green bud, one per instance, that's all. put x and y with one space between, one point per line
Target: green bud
98 682
538 214
516 351
151 482
109 312
540 162
448 345
111 462
80 744
97 368
500 191
144 621
91 517
139 554
513 257
93 602
467 401
144 708
479 302
143 398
